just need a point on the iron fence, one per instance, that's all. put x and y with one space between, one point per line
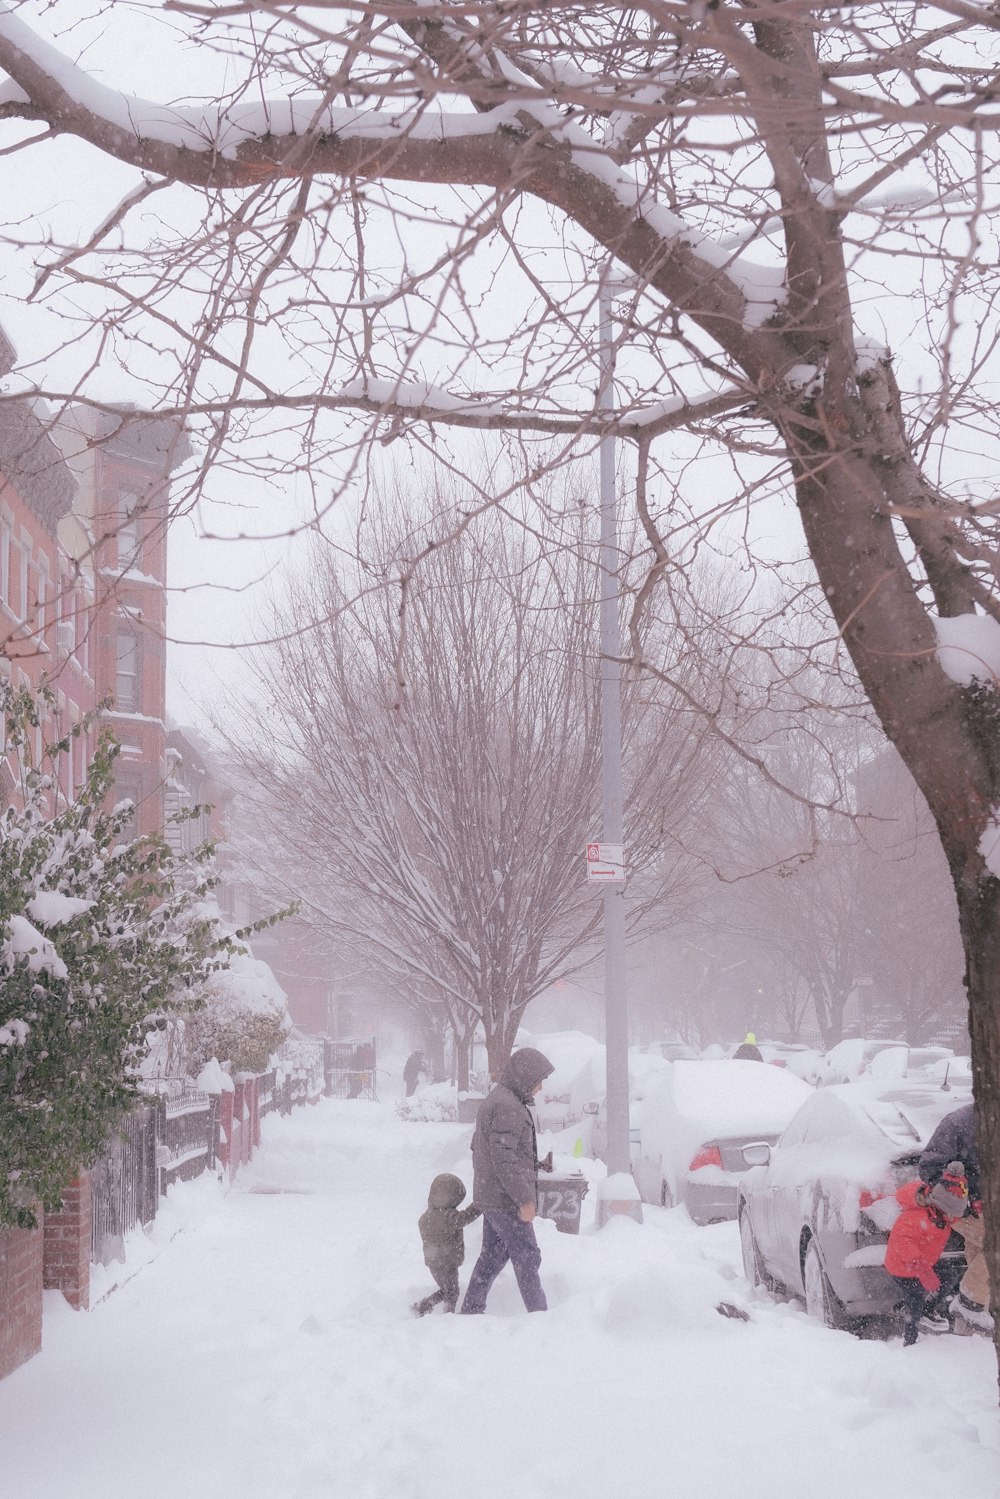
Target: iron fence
349 1069
124 1184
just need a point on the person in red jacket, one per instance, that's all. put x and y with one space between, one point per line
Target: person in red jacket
918 1238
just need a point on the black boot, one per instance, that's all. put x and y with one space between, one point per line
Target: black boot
909 1334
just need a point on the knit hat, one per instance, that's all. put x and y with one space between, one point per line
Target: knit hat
950 1194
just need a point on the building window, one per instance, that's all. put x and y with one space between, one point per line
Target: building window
127 790
127 673
43 598
128 530
5 562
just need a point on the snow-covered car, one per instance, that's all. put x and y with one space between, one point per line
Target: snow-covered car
672 1051
920 1059
950 1072
695 1123
799 1058
578 1076
816 1208
645 1072
855 1057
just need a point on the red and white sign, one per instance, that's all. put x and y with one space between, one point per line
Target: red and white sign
605 864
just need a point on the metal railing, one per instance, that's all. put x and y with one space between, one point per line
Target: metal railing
125 1185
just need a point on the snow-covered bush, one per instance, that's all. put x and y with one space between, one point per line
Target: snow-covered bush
241 1018
434 1103
100 936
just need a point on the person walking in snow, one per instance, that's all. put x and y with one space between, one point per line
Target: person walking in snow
916 1243
412 1068
505 1166
442 1232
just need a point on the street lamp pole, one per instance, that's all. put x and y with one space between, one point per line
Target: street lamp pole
615 994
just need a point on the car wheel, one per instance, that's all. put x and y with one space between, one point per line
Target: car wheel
820 1300
752 1267
666 1196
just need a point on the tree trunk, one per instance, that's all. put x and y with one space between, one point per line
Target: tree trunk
463 1039
847 480
979 916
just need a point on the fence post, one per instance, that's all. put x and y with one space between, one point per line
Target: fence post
226 1130
255 1111
21 1276
66 1244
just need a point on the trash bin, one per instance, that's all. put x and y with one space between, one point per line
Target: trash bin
468 1107
561 1198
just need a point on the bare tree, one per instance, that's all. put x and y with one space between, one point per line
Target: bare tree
435 773
771 175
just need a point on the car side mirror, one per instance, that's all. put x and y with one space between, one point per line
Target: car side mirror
591 1108
757 1154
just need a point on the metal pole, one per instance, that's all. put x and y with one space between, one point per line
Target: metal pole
615 997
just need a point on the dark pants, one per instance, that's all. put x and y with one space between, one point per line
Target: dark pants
447 1280
506 1237
917 1302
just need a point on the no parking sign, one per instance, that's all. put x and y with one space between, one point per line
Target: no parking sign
605 864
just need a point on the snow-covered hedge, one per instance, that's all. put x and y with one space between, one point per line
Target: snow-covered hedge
101 936
434 1103
243 1019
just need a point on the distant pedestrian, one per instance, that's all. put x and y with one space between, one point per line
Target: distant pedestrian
505 1163
412 1068
748 1050
442 1232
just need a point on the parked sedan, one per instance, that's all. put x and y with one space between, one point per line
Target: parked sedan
696 1121
815 1211
857 1057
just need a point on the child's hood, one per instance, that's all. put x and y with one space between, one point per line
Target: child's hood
446 1191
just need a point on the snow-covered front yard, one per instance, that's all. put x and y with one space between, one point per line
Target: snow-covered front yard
267 1350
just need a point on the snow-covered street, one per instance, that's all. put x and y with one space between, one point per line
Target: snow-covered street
267 1350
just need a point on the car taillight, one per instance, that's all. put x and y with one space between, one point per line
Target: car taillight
866 1199
708 1155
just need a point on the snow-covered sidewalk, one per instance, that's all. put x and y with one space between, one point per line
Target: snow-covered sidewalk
267 1350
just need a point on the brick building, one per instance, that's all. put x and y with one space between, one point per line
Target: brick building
83 566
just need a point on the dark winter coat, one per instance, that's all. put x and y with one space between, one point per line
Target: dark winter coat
504 1148
953 1140
442 1227
413 1067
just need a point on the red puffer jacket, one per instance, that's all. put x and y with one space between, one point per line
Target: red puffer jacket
917 1239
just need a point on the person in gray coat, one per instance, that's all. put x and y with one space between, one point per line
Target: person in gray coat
505 1167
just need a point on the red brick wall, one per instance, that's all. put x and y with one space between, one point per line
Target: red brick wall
20 1296
67 1245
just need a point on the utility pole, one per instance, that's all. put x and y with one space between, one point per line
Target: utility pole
615 993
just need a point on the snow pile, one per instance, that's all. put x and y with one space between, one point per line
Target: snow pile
248 984
212 1079
969 648
25 941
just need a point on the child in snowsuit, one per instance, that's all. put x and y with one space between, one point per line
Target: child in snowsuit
918 1238
442 1231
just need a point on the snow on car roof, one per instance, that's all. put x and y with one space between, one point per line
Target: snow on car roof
738 1096
906 1113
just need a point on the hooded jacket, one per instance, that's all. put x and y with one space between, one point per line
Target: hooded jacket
953 1140
504 1148
917 1238
442 1227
